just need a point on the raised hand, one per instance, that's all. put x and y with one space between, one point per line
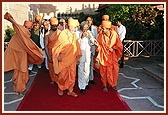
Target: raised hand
96 42
8 16
89 36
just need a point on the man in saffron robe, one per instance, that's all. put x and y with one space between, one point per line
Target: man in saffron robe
49 40
109 49
106 18
66 54
21 51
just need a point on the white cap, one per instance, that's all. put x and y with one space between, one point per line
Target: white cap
46 17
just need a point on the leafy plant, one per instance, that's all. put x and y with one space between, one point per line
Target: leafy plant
9 32
142 21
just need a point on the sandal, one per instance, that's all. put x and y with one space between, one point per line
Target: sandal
60 92
72 94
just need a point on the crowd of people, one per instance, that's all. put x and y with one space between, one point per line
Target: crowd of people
69 50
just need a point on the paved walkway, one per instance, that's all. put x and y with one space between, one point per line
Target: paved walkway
141 91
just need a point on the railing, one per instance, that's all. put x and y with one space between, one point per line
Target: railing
138 48
143 48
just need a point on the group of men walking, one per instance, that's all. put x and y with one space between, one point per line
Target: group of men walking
69 48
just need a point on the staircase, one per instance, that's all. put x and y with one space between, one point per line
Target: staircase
156 71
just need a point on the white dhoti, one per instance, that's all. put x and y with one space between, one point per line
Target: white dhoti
83 74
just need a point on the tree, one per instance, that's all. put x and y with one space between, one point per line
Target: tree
142 21
9 32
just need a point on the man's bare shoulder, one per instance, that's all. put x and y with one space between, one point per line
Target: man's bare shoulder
48 34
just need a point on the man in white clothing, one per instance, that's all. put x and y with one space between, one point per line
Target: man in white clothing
122 32
94 32
44 29
84 38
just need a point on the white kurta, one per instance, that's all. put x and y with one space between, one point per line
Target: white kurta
84 65
121 31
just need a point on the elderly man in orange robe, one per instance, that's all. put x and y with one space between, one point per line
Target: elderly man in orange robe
20 51
49 40
109 49
106 18
66 54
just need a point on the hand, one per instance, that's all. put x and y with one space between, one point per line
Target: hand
111 49
96 42
59 58
84 34
50 59
89 36
77 61
119 59
97 65
8 16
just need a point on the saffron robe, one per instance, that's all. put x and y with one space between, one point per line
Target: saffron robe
21 51
51 41
68 48
109 67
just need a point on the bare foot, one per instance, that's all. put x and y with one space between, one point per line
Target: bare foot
20 94
72 94
105 89
60 92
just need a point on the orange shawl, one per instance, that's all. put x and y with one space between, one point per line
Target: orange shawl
21 50
52 40
68 48
105 57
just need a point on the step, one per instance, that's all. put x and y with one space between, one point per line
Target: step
161 66
155 72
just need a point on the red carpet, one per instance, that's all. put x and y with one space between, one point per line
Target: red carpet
42 96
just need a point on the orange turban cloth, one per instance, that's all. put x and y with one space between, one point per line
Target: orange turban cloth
53 21
28 23
106 24
72 22
77 22
105 17
38 18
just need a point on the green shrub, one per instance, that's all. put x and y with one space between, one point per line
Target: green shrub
9 32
